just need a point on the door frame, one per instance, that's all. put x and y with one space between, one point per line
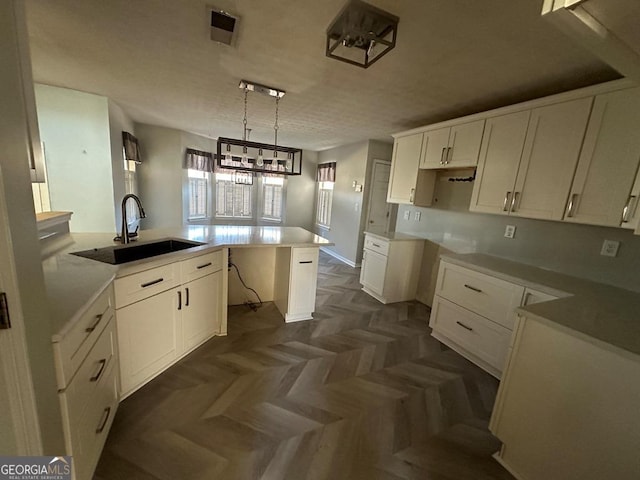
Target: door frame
392 210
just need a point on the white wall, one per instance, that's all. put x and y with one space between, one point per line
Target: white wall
569 248
74 127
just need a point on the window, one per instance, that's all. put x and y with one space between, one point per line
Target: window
198 194
325 197
272 197
326 177
234 195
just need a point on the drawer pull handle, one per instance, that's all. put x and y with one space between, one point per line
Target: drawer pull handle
179 300
464 326
186 302
306 261
97 376
375 244
505 204
105 419
95 325
152 282
472 288
205 265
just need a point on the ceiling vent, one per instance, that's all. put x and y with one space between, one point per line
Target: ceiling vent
223 26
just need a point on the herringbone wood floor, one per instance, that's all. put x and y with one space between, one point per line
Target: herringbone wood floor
360 392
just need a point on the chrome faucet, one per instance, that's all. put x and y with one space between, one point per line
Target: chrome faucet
124 232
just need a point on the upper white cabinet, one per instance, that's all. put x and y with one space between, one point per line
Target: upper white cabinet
452 147
601 191
408 184
545 169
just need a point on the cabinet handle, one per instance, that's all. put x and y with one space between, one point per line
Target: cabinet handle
464 326
449 155
627 209
442 160
413 191
205 265
97 376
572 204
506 201
152 282
527 296
105 419
95 325
472 288
179 300
375 244
306 261
514 201
186 302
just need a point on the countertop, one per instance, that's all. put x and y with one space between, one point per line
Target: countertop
73 282
392 236
598 313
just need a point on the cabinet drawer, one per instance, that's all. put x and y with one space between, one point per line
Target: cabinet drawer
93 368
139 286
73 347
483 294
200 266
481 337
377 245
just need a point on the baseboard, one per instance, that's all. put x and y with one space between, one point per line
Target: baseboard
339 257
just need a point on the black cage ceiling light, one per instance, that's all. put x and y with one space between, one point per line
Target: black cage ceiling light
251 156
361 34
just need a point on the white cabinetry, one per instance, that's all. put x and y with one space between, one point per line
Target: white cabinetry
407 183
167 311
545 169
601 191
566 407
391 268
86 360
452 147
295 282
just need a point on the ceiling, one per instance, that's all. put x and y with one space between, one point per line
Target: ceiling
154 59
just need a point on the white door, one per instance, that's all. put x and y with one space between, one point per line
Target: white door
379 212
549 159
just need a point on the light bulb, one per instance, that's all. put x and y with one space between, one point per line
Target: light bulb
244 160
260 159
289 162
227 156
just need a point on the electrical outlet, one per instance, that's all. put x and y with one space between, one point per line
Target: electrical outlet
610 248
407 214
416 216
510 231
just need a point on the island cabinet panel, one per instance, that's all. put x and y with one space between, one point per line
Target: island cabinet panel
601 191
566 407
296 278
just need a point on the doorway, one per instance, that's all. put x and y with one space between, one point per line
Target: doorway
381 216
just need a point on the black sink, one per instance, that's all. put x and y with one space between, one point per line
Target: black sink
119 254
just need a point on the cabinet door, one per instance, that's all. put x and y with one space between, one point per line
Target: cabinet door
608 161
500 155
551 150
373 276
304 277
434 148
201 312
464 144
147 337
404 168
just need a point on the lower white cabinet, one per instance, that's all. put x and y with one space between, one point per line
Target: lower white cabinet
295 282
86 359
391 268
474 314
567 407
165 312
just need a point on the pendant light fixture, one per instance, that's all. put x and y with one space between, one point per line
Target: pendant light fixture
254 156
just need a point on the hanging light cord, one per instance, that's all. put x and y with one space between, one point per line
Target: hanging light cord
244 120
275 129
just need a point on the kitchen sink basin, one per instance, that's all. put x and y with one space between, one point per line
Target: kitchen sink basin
119 254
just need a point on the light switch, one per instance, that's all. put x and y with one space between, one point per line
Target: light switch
407 214
416 216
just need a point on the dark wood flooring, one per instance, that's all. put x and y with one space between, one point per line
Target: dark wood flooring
360 392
